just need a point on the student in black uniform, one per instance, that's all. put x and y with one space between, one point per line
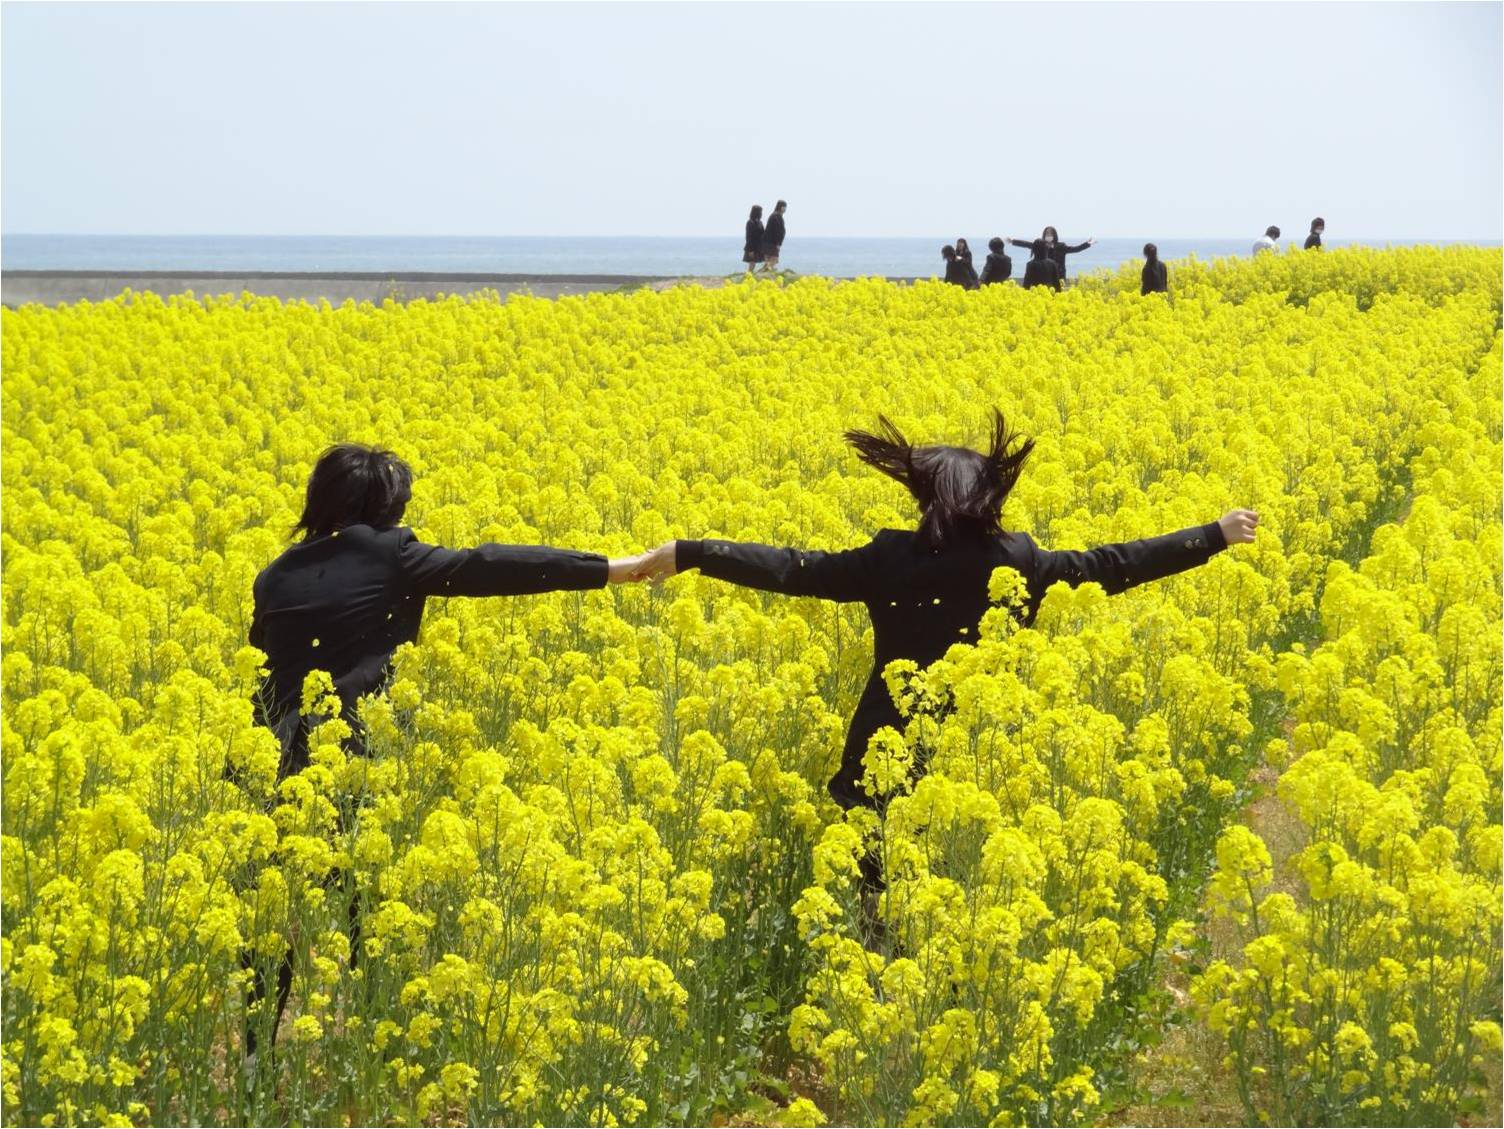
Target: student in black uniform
963 252
350 591
772 238
1156 278
956 270
752 247
1055 250
926 588
1313 241
1041 269
998 267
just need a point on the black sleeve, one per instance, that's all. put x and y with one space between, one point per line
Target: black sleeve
1021 242
848 575
1144 282
496 570
1122 566
1312 240
1077 247
1007 269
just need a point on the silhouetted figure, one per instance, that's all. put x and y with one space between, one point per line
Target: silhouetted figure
772 237
752 249
1313 241
1156 279
1055 250
963 252
957 270
998 267
1041 269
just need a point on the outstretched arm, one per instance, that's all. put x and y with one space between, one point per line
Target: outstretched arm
847 575
496 570
1078 247
1122 566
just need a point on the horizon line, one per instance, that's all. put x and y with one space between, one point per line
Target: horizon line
603 235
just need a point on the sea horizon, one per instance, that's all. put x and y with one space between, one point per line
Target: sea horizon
543 255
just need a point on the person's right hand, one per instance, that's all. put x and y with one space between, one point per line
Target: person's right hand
1239 526
657 564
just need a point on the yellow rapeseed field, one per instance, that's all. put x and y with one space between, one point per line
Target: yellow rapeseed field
600 877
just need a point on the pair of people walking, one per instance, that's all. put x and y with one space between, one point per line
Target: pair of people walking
354 586
1269 241
764 243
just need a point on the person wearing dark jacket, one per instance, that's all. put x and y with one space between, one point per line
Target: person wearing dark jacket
1156 278
1313 241
957 270
963 252
998 267
772 238
1041 269
346 595
926 588
752 248
1055 250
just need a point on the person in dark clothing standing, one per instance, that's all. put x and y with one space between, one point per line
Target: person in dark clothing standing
349 592
1054 249
942 566
963 252
956 269
1041 269
998 267
1156 279
772 238
1313 241
752 248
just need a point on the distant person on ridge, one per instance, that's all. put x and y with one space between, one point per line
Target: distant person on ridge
1156 279
1270 241
752 249
772 238
1055 250
963 252
956 270
1313 241
998 267
1041 269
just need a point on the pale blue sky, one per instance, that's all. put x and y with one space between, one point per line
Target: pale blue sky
671 119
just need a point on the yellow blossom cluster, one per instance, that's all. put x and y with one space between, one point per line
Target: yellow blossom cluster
597 876
1368 986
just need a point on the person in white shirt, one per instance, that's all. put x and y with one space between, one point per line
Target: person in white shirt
1270 241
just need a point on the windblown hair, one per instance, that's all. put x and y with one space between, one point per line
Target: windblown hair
960 491
353 484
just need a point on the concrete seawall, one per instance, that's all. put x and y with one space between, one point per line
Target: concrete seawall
56 287
52 287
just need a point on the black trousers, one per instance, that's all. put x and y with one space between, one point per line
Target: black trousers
258 990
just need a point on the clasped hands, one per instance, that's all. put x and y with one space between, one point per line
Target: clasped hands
656 565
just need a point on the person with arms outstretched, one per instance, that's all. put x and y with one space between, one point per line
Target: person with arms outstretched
1054 250
348 593
926 588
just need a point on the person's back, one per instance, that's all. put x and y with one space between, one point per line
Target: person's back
1269 241
1154 279
927 589
1042 270
998 267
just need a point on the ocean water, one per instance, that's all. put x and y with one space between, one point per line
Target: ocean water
543 255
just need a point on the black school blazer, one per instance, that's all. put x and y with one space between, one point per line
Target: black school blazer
922 601
344 602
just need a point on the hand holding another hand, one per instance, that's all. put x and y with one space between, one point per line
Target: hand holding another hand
655 565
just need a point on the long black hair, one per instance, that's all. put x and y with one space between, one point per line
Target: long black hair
353 484
1151 252
959 491
756 212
